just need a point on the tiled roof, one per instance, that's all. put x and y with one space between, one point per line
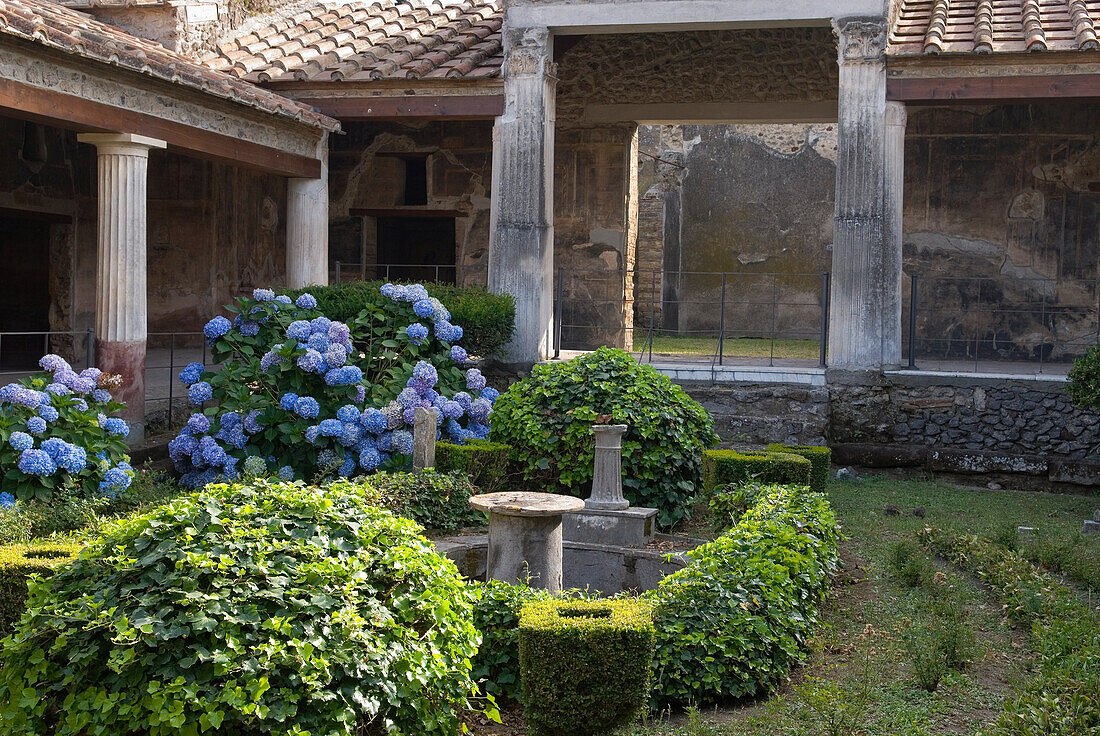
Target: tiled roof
51 25
371 40
994 26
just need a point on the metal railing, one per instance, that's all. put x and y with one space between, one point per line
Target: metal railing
166 354
1002 324
695 315
434 273
28 349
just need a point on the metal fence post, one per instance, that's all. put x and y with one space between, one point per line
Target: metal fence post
557 315
824 317
913 322
89 349
722 323
652 312
171 373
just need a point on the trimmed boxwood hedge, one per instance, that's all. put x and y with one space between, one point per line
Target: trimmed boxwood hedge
17 563
723 467
585 664
820 460
737 618
484 463
487 320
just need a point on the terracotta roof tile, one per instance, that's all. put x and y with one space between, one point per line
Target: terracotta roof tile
73 32
994 26
371 40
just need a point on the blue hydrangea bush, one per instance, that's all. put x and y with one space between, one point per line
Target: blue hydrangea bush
301 396
58 430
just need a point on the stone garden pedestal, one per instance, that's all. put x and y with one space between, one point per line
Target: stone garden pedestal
525 539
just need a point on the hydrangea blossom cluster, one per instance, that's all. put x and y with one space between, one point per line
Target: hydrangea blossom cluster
38 417
306 411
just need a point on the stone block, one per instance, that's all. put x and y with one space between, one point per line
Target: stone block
1091 527
965 461
880 456
631 527
1077 472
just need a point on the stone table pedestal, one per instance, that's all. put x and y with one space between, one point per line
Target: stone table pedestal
607 472
525 541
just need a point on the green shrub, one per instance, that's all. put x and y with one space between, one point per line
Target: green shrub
432 499
484 463
723 467
547 418
487 319
496 616
820 461
17 563
927 661
734 621
908 565
585 664
246 609
1084 379
729 503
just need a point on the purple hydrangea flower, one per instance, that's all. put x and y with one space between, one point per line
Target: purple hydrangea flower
48 413
384 441
347 414
453 410
416 292
423 309
327 458
408 398
336 355
490 394
360 394
198 423
250 328
312 361
331 427
252 423
288 401
458 354
392 412
102 395
369 459
286 473
263 295
270 359
312 433
320 325
447 332
298 330
348 466
479 410
464 399
403 442
59 389
387 290
6 500
36 425
426 373
474 380
115 427
73 459
54 446
216 327
374 421
409 415
192 373
53 363
318 342
306 301
114 480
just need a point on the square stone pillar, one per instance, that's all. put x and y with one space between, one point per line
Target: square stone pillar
865 316
521 248
307 227
121 325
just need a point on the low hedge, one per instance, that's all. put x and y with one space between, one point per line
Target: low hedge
432 499
17 563
1062 695
585 664
484 463
820 458
734 621
723 467
488 320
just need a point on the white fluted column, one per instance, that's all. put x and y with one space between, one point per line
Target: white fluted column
521 248
120 316
307 227
893 230
864 331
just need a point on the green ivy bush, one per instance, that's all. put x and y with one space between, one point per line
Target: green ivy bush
733 622
246 609
547 418
585 664
1062 695
17 563
1084 380
432 499
820 458
485 463
496 616
488 319
724 467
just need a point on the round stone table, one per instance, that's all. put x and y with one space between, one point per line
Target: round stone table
525 536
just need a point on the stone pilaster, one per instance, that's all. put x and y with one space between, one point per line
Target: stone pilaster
120 315
893 230
307 227
521 250
864 331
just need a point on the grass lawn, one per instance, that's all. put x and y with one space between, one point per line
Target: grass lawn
741 347
860 678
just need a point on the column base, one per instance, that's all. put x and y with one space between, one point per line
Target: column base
127 359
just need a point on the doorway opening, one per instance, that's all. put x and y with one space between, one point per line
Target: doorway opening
417 249
24 290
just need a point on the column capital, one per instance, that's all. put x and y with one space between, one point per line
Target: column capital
529 52
124 144
896 114
861 39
